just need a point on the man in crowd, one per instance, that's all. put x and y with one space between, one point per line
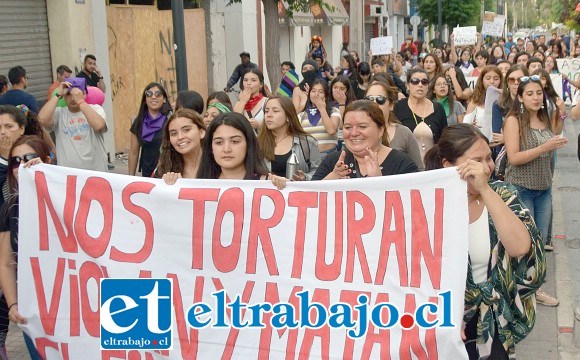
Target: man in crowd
240 70
541 40
78 128
92 73
509 43
62 72
17 95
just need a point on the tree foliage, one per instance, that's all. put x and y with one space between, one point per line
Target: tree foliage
464 13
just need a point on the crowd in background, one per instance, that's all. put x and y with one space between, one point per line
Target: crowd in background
408 111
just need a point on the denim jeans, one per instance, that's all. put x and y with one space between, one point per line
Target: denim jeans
539 202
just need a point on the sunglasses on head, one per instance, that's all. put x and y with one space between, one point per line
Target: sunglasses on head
17 160
524 79
417 81
156 93
381 100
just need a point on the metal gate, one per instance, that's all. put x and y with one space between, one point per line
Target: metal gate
24 41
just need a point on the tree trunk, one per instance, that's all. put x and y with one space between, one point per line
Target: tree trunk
205 5
272 48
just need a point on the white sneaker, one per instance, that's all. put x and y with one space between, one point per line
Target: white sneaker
543 298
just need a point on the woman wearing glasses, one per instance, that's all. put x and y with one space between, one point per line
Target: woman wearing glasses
530 142
27 150
503 106
440 91
426 119
147 130
400 137
367 152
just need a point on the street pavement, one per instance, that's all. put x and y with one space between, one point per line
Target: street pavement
556 332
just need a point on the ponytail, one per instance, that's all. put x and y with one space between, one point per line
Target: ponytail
433 159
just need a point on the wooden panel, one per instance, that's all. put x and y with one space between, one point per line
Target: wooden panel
141 51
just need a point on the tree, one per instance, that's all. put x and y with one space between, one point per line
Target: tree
271 28
454 12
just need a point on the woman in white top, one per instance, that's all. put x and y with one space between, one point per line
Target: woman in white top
320 119
491 75
252 98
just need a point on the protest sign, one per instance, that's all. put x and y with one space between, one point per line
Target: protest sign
382 45
492 95
570 67
557 84
386 248
466 35
493 24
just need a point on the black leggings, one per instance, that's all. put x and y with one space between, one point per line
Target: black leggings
4 321
497 350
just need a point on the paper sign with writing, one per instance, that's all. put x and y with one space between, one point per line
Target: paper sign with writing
382 45
494 27
466 35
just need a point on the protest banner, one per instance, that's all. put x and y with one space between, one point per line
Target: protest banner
570 67
493 24
471 81
390 246
465 35
557 83
382 45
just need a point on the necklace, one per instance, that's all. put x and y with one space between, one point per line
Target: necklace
417 124
279 141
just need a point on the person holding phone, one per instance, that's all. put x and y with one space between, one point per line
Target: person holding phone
92 73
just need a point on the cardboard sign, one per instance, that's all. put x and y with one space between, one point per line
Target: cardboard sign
382 45
494 26
466 35
382 245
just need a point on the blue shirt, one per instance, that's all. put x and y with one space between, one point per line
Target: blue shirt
16 97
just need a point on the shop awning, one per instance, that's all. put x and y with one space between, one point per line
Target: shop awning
316 16
337 15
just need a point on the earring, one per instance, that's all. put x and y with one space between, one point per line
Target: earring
521 108
542 106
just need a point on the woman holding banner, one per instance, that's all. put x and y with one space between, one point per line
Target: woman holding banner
367 152
27 150
181 147
283 136
506 262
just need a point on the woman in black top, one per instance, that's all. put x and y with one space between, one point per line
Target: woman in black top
28 150
367 150
425 118
146 130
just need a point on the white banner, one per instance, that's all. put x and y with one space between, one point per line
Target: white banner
466 35
494 26
382 45
400 241
571 68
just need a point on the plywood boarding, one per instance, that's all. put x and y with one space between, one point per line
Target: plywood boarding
141 51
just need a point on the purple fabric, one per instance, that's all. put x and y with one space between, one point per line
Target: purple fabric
313 115
151 126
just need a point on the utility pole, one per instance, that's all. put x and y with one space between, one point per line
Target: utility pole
179 44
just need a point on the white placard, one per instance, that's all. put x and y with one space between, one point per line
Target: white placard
495 27
466 35
382 45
